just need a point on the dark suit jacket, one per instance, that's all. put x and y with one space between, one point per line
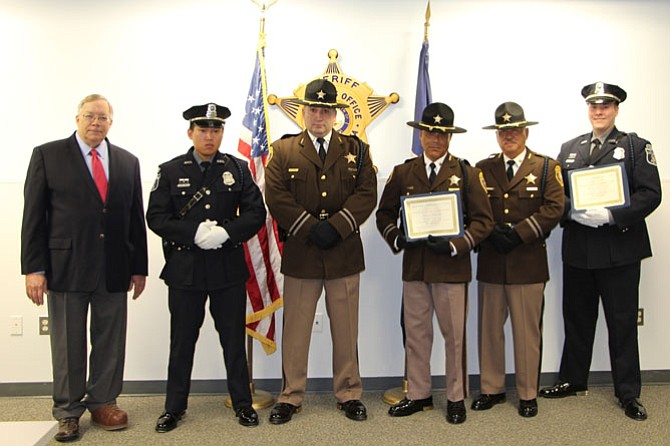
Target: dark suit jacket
419 263
627 240
69 233
299 188
232 199
533 213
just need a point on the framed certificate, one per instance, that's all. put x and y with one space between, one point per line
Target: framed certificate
596 187
438 214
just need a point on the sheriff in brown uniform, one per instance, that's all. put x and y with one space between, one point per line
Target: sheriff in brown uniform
526 194
435 272
321 186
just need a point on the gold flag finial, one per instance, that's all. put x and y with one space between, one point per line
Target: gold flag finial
426 23
264 7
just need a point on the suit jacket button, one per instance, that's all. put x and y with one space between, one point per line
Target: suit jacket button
207 206
102 235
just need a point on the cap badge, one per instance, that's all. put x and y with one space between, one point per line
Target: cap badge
600 88
211 111
506 117
437 119
321 94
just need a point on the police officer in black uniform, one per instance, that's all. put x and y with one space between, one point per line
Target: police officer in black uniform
602 251
204 205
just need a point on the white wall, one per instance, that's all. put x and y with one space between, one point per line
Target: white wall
155 58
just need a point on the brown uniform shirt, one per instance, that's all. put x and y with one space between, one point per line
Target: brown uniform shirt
299 189
533 213
419 262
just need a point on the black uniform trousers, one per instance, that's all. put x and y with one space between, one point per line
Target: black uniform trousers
187 309
618 288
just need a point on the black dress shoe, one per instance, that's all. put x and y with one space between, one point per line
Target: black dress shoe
68 429
528 408
455 412
247 416
354 410
168 421
485 401
282 413
407 407
561 390
634 409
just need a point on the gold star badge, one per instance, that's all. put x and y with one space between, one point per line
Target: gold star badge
506 117
454 180
351 158
530 178
437 119
321 94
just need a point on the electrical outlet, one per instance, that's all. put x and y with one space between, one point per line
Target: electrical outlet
640 317
44 325
318 323
16 325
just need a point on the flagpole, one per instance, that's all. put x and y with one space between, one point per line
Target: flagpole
396 394
261 399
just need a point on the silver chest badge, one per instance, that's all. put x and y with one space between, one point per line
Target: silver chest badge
228 178
619 153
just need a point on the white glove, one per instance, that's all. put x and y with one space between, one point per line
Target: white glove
215 238
203 229
593 217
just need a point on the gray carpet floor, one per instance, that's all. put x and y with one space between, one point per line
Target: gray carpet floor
595 419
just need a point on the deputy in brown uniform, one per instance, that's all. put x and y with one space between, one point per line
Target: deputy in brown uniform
526 194
321 186
435 271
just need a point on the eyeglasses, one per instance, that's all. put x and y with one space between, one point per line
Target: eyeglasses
102 119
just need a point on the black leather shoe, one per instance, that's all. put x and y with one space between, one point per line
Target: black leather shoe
528 408
485 401
282 413
634 409
407 407
247 416
455 412
68 429
354 410
168 421
561 390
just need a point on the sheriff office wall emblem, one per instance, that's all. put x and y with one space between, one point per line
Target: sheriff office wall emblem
364 107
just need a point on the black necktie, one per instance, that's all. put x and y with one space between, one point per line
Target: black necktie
510 170
595 149
432 175
204 166
322 150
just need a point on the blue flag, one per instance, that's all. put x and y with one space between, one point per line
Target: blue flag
423 95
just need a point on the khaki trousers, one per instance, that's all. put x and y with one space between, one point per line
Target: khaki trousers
524 304
449 302
300 300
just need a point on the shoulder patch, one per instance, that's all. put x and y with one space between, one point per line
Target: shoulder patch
651 158
482 181
158 178
559 175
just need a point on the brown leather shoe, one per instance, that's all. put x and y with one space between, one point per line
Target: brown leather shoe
110 417
68 429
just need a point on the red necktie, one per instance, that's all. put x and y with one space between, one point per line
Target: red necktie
99 174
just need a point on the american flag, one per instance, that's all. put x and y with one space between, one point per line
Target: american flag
263 251
423 93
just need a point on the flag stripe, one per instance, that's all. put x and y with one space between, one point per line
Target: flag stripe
263 251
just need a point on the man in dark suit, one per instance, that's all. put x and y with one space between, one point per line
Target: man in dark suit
602 251
435 270
321 186
83 243
526 194
205 205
